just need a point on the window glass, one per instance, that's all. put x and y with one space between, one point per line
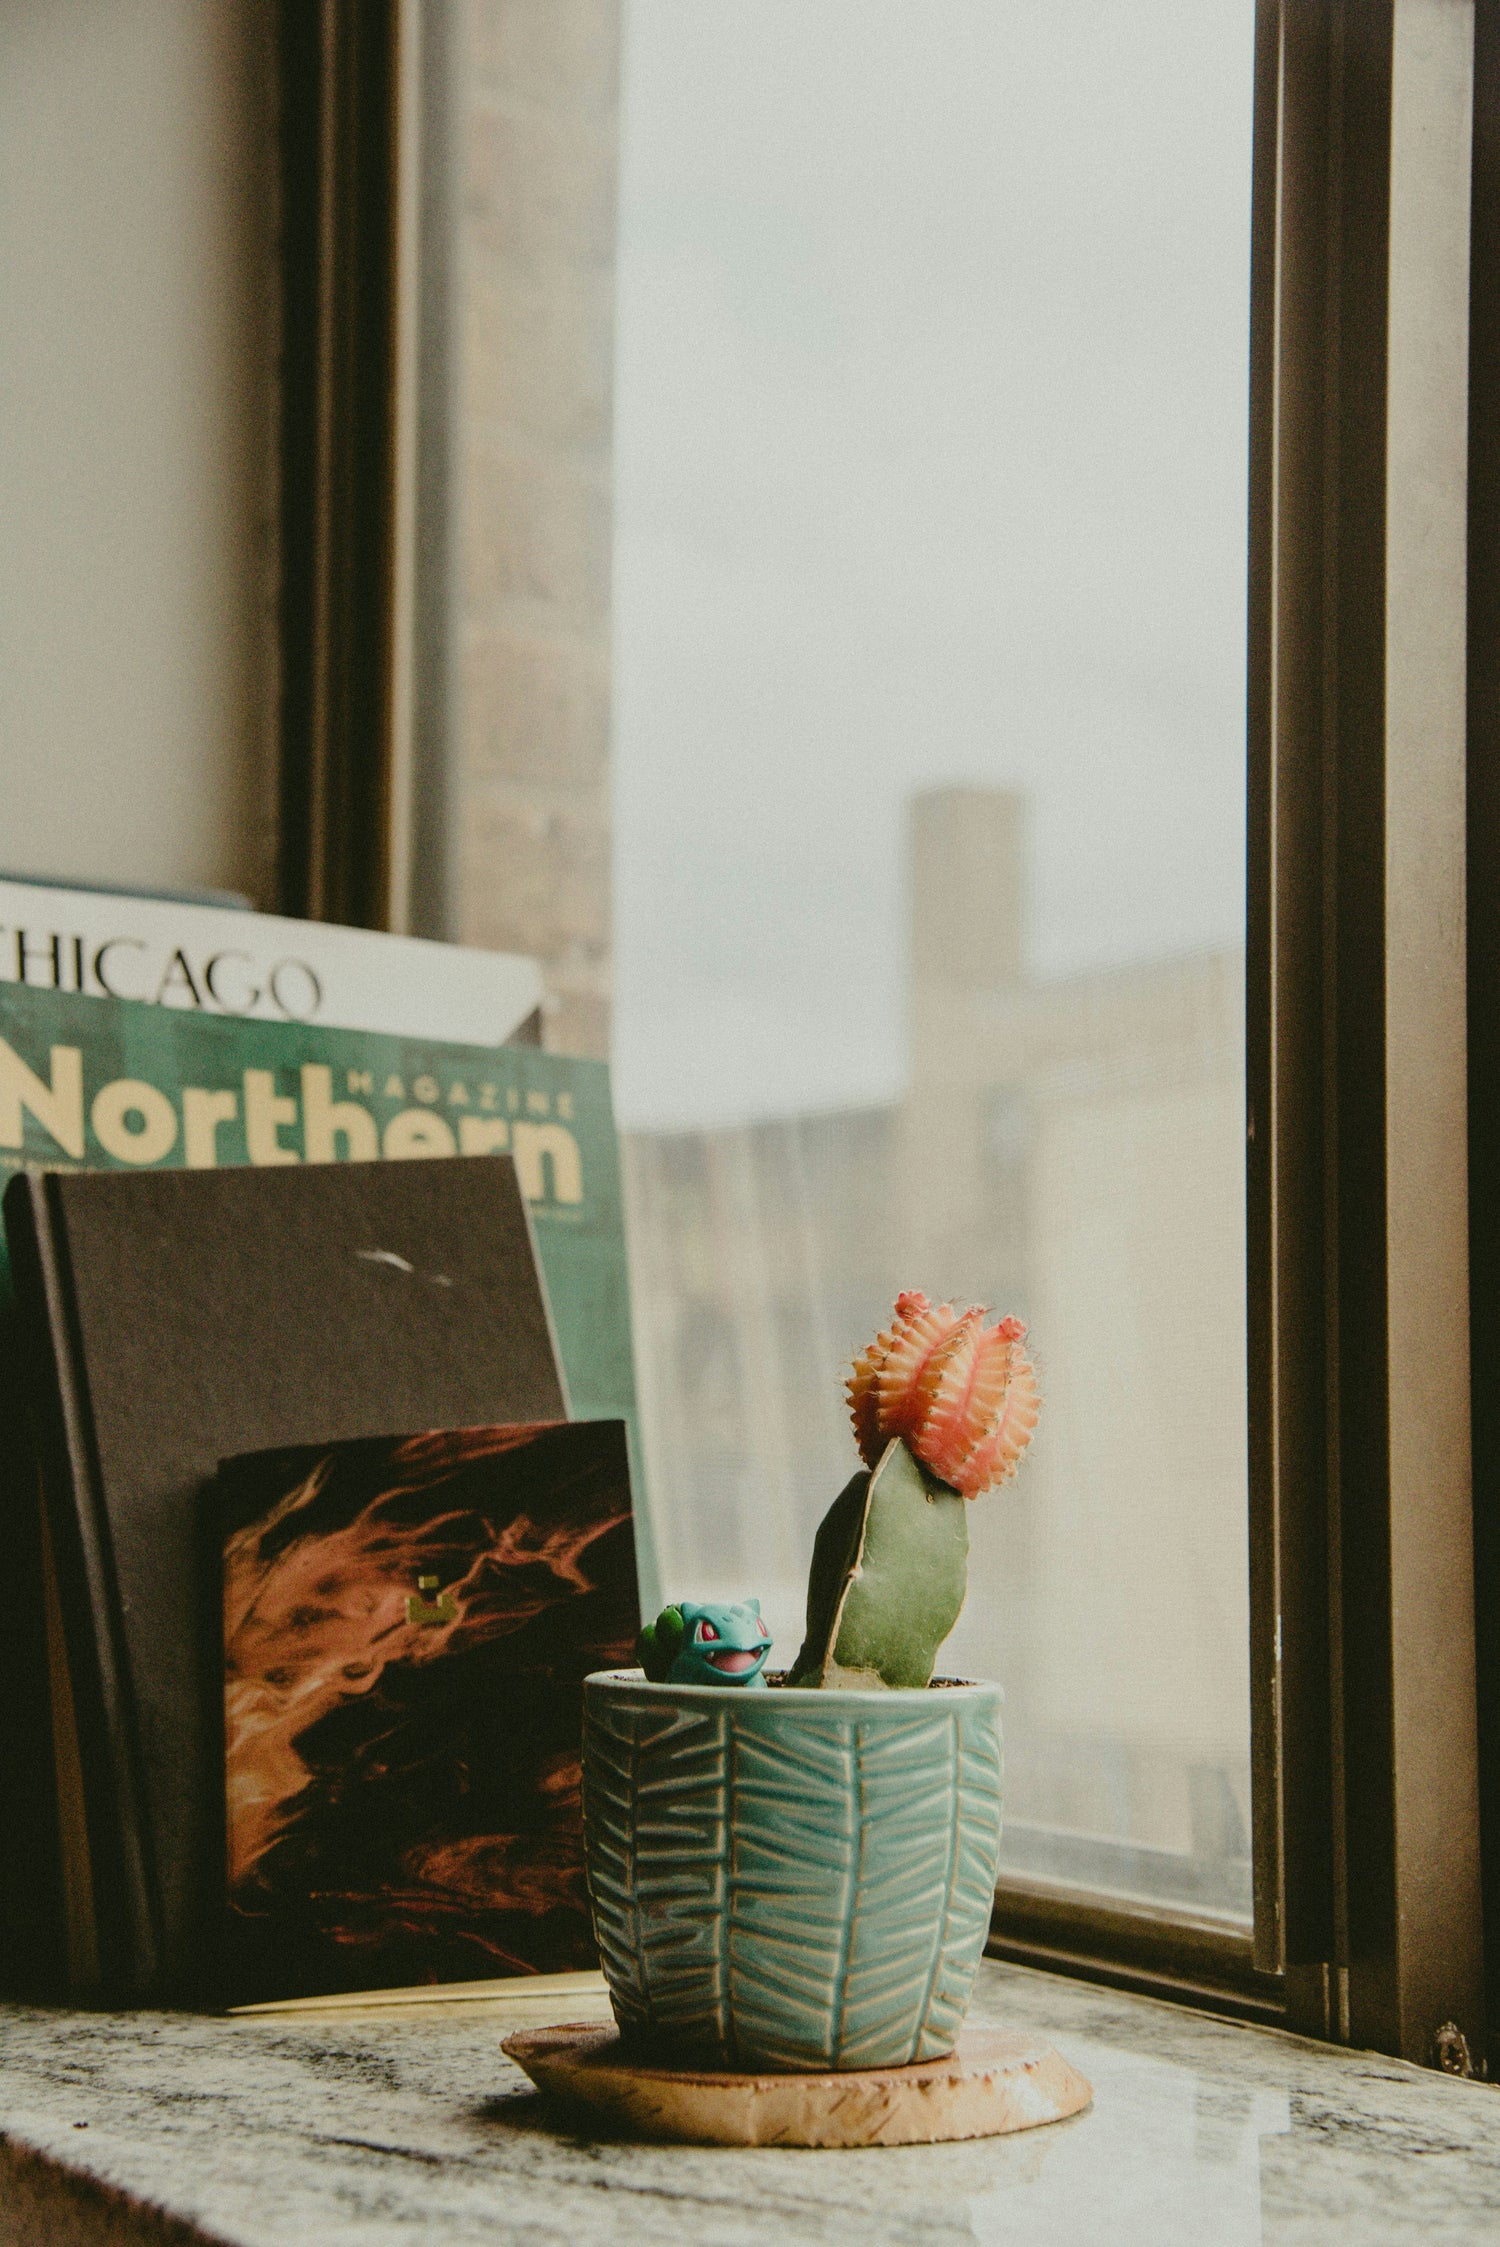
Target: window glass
929 614
832 543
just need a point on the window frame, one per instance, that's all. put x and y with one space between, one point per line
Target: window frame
348 147
1365 1749
1484 952
1361 1497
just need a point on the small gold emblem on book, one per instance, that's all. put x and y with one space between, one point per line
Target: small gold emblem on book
421 1609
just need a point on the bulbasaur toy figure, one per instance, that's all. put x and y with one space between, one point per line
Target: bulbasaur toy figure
705 1643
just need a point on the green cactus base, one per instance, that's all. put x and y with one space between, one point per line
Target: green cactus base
889 1571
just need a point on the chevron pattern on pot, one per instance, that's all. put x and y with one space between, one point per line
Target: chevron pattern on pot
791 1879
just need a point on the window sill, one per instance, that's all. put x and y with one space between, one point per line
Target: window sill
267 2132
1201 1959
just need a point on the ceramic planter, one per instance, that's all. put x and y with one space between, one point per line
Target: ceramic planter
791 1879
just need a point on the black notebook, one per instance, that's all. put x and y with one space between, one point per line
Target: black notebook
407 1624
168 1320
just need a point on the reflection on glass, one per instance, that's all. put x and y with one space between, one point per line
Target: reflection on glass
928 777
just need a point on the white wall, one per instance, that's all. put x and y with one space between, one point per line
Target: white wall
137 440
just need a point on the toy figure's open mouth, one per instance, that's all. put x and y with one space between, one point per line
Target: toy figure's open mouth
734 1657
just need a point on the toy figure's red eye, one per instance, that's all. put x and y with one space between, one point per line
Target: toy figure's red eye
764 1631
706 1630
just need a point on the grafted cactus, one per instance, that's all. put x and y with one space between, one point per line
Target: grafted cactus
943 1409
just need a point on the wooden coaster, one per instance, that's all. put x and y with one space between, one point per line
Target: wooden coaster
997 2080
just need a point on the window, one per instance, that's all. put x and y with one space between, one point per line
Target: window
826 429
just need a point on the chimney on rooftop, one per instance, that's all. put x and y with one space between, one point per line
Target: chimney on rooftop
968 888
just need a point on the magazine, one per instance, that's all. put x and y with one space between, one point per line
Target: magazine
216 959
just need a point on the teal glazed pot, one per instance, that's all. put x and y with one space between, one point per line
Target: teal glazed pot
790 1878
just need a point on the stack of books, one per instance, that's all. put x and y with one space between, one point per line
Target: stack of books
315 1457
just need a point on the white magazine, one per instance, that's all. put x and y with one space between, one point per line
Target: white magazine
216 959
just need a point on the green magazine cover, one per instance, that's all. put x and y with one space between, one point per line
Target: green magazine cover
114 1084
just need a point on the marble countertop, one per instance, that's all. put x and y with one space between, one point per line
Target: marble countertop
359 2131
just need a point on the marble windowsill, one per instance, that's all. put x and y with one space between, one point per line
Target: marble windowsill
363 2132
